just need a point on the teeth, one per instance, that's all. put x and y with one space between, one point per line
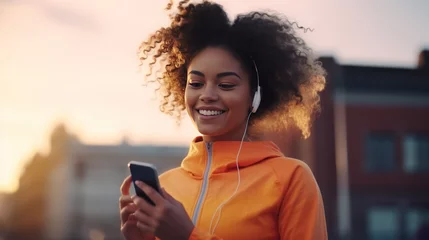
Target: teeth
209 112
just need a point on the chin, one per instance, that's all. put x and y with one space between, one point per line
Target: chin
210 131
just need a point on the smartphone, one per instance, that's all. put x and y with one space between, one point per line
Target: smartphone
147 173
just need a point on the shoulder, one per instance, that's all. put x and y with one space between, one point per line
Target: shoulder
169 173
286 167
293 173
172 175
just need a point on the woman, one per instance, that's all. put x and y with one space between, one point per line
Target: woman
252 73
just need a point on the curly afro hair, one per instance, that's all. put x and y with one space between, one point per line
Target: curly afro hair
290 75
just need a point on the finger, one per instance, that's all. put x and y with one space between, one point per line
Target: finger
132 218
127 227
146 219
143 205
124 200
126 184
127 211
144 228
150 192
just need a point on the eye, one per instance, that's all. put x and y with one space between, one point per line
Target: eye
195 84
227 86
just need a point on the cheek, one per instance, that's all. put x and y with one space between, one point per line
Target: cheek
240 105
189 99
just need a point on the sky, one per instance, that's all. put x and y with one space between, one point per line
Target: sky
74 61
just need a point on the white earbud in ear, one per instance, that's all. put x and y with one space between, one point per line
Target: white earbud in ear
257 97
256 100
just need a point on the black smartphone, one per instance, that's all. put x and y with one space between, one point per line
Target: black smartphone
147 173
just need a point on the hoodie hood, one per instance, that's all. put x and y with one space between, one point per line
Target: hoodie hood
222 155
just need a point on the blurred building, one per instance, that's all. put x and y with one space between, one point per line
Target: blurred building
5 202
27 205
370 150
73 192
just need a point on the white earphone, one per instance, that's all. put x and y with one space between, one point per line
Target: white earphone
255 105
257 97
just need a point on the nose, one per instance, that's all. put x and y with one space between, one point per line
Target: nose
209 93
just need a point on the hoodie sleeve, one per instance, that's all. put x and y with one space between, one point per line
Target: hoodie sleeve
302 215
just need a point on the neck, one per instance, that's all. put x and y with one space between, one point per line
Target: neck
232 136
207 138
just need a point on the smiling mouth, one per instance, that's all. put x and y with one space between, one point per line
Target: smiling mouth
210 112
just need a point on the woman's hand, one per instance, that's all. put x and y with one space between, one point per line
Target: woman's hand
128 221
167 219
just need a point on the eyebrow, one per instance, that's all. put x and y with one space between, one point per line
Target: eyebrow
219 75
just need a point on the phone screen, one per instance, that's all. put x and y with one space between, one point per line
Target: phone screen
147 175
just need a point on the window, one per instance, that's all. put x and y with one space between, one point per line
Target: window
416 153
383 223
414 219
380 152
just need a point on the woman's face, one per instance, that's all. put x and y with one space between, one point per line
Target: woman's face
217 95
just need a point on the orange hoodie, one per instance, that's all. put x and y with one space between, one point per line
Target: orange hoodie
278 197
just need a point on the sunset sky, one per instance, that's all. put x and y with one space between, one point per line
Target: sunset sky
75 62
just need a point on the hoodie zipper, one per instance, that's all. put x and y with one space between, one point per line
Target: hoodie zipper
205 184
